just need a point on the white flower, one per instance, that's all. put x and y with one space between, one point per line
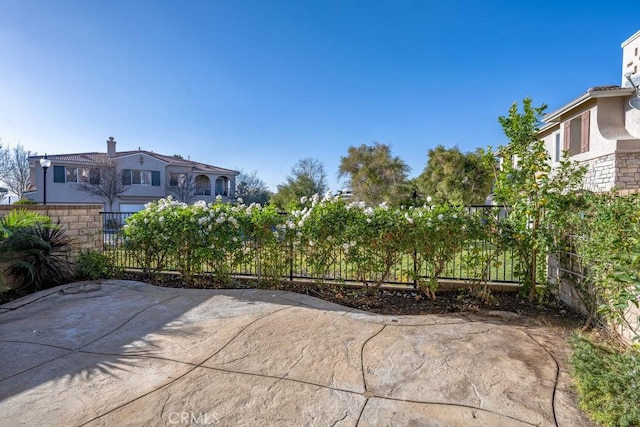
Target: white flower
146 220
440 217
303 200
233 221
200 204
161 219
429 199
345 246
368 220
408 218
311 243
352 243
240 201
218 198
368 211
202 220
220 219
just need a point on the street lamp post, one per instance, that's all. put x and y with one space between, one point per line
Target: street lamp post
45 163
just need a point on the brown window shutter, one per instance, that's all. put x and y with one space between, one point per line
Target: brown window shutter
566 141
584 134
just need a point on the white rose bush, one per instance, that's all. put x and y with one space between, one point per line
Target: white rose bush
326 238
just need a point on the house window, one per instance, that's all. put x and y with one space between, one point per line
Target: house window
140 177
222 186
576 134
557 147
177 179
203 185
75 174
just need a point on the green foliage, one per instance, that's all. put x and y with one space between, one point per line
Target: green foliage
608 382
36 255
374 175
173 234
94 265
268 241
308 177
456 177
328 233
534 196
20 218
25 202
606 230
436 234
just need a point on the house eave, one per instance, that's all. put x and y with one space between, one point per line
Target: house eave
554 116
593 93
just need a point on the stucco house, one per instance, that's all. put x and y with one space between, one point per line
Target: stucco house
144 176
601 129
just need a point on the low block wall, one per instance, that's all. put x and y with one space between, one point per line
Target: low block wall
567 293
83 223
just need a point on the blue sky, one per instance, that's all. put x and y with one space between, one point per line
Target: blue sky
259 85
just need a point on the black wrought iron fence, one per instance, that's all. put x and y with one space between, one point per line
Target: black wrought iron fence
402 272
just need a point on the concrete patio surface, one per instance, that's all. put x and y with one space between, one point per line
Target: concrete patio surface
112 353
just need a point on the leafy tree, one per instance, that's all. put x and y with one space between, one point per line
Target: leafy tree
374 175
308 177
252 189
14 169
534 196
456 177
105 183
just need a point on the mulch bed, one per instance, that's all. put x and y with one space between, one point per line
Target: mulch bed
393 301
382 301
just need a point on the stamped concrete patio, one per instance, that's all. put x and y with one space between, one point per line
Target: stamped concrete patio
126 353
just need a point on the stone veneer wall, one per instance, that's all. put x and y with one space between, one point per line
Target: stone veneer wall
83 223
600 176
627 171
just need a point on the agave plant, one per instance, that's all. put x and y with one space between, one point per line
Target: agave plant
33 251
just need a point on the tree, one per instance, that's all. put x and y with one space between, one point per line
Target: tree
14 169
308 177
456 177
105 182
252 189
374 175
533 195
182 185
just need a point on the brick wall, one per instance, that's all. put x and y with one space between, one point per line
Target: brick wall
83 223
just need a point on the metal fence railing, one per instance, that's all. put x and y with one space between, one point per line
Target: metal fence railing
402 272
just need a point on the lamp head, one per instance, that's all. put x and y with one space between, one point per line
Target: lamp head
44 162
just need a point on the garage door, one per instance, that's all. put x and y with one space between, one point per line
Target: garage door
131 207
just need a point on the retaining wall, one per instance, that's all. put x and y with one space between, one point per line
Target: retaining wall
82 223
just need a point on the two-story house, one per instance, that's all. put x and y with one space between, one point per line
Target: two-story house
601 129
139 176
